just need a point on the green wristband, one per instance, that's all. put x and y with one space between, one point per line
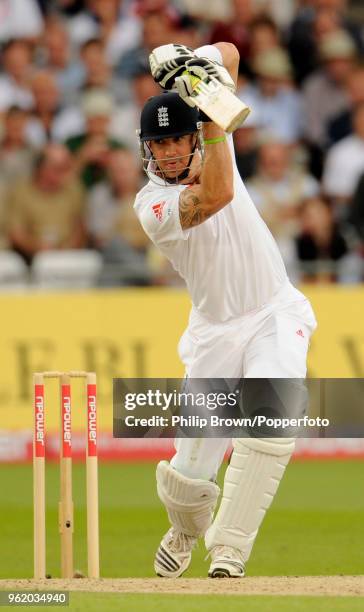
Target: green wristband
215 140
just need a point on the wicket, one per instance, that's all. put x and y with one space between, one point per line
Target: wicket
66 525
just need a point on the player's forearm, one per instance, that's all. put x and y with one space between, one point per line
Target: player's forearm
217 170
215 189
224 53
230 58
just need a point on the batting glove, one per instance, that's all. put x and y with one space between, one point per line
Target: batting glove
203 68
169 61
184 86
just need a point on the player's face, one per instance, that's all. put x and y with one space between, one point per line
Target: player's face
172 154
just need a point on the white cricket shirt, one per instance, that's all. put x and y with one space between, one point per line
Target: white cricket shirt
231 263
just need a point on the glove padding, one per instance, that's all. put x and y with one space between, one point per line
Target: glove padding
169 61
203 69
184 86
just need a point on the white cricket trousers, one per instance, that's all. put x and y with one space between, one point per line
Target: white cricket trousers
271 342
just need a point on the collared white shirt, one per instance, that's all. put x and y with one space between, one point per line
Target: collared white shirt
230 262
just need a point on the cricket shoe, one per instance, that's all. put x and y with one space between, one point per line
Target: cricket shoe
227 562
174 554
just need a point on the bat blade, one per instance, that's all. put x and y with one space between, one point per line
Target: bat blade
219 103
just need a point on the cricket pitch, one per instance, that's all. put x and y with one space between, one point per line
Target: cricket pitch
333 586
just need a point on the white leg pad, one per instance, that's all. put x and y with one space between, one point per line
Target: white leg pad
189 502
251 481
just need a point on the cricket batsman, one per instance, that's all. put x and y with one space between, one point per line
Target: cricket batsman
247 320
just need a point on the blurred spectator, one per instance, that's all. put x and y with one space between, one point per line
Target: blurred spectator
113 226
278 189
111 218
127 122
16 156
345 164
356 212
189 33
59 58
15 82
49 120
91 147
237 30
4 219
46 211
67 8
322 249
342 125
64 7
109 20
166 21
352 26
314 20
98 73
301 43
325 93
210 11
246 146
277 103
77 72
157 29
264 36
281 11
326 22
146 7
20 19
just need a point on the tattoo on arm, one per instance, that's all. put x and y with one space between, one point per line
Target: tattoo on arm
191 210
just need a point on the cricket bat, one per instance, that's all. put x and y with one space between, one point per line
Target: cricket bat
219 103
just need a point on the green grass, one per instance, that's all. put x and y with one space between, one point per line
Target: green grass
315 526
109 602
210 603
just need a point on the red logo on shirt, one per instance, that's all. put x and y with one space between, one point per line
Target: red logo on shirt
158 210
299 332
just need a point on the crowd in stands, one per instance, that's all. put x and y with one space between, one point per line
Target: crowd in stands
75 75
